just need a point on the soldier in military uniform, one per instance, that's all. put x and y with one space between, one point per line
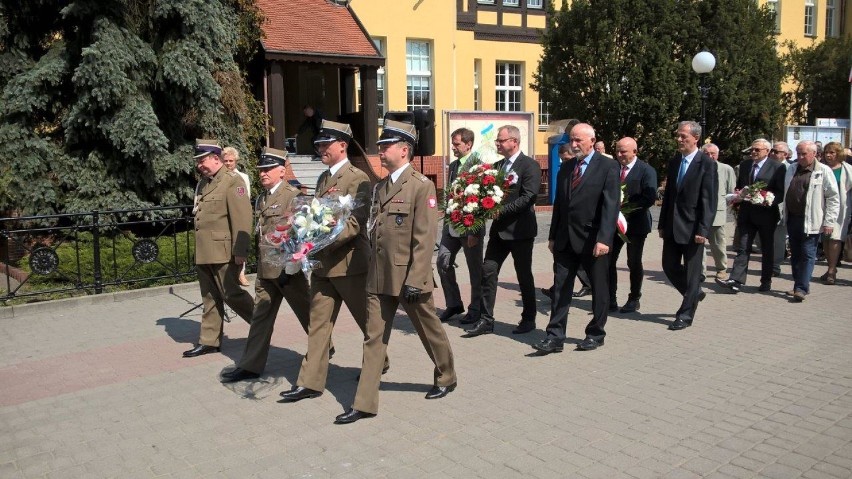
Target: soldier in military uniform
222 236
343 264
402 227
272 284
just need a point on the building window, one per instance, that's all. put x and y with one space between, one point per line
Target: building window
510 3
831 27
419 74
509 89
535 3
810 20
485 2
477 90
380 80
774 7
543 114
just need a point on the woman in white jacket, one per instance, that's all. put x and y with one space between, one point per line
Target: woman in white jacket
835 158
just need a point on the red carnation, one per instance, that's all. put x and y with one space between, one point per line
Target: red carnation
468 220
488 180
472 199
455 216
280 228
488 203
470 179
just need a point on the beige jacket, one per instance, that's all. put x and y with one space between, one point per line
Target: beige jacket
403 236
270 211
222 218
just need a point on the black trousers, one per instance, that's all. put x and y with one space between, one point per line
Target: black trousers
566 264
634 263
495 254
682 264
748 231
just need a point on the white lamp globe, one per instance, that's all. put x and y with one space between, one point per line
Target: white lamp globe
703 62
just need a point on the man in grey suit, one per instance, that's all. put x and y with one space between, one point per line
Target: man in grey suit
718 239
452 242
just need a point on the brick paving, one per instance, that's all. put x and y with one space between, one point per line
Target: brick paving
758 387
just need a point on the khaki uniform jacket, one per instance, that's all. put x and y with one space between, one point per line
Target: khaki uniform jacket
271 210
350 252
222 219
403 236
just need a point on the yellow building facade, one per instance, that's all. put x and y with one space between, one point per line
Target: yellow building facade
806 22
458 55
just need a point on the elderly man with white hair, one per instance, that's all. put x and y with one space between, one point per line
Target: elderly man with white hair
756 219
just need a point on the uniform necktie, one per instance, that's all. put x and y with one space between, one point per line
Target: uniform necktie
575 179
754 171
624 170
682 171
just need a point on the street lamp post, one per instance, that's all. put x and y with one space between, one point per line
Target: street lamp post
702 64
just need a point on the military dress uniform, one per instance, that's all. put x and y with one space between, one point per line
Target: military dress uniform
222 231
271 287
404 226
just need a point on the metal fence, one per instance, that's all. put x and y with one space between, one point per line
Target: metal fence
44 257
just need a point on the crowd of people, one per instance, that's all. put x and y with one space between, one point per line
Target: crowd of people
383 258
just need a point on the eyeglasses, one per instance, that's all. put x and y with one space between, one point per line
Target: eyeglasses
498 140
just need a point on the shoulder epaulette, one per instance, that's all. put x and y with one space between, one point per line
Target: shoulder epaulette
232 173
420 176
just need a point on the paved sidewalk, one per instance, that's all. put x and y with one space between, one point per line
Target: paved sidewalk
758 387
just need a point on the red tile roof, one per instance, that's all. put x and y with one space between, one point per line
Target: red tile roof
314 27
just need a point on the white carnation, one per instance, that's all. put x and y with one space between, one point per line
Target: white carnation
472 189
470 207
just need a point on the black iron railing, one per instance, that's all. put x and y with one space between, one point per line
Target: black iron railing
45 257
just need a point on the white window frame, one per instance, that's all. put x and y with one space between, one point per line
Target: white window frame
511 3
832 24
810 18
543 114
418 72
381 79
513 95
477 84
485 2
537 4
775 7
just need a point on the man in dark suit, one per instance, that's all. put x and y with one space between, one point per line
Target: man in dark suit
686 215
760 220
581 233
513 231
640 180
452 242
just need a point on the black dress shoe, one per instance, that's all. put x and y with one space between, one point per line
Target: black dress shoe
631 306
331 352
548 346
298 393
584 291
764 287
701 295
199 350
480 328
524 327
351 416
437 392
449 313
547 292
613 307
679 324
730 284
590 344
468 319
237 375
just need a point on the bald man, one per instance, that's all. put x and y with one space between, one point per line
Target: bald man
639 180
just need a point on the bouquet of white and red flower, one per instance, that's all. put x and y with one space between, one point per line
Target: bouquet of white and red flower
476 196
755 194
311 225
625 208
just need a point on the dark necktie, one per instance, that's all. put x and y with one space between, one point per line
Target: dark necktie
753 173
624 170
575 179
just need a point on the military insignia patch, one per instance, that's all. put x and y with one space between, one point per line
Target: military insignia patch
433 202
241 191
399 220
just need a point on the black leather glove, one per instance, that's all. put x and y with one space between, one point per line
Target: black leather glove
411 294
283 279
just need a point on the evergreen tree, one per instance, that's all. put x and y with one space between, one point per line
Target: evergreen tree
104 99
625 67
819 75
